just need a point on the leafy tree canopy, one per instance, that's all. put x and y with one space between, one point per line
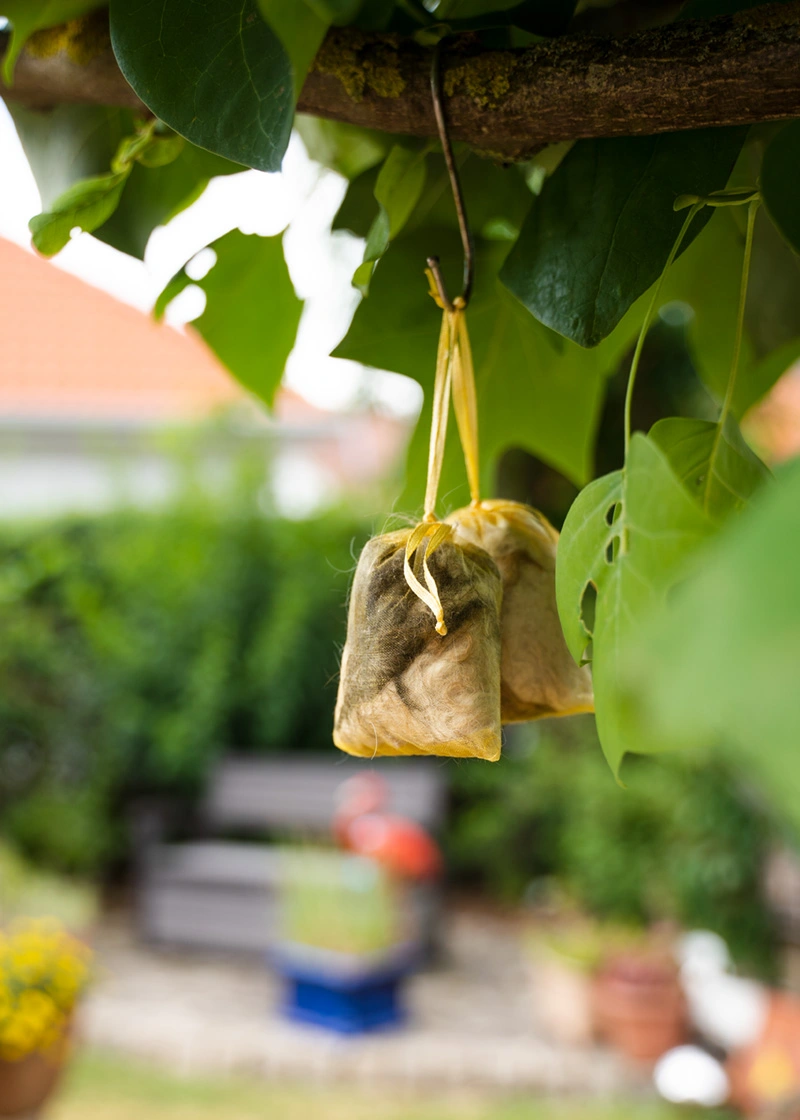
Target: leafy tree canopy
671 177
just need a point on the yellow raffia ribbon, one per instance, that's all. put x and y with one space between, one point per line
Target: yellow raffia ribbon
428 535
454 374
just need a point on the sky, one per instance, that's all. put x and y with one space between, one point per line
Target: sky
302 199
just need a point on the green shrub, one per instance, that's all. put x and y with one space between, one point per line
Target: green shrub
136 647
683 841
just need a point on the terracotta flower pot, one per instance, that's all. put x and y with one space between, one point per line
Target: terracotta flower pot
639 1006
26 1085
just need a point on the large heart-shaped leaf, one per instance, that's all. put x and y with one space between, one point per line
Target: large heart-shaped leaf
707 277
252 312
213 70
712 461
780 174
604 225
627 535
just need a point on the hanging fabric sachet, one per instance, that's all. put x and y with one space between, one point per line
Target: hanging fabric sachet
420 670
538 674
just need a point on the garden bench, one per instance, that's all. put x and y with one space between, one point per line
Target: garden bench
219 889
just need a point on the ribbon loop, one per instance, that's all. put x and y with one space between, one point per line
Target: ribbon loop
427 536
455 375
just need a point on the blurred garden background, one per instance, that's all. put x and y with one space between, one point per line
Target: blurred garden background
174 573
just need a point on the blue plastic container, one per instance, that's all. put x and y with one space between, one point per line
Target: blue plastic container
342 994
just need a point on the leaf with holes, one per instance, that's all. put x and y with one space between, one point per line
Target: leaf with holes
252 313
627 534
714 463
213 70
583 256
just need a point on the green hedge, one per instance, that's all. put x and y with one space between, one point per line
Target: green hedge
135 647
684 841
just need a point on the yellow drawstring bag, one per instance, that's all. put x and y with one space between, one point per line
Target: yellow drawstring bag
420 671
538 674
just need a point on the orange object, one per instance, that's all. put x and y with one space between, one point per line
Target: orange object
639 1006
766 1076
400 845
28 1084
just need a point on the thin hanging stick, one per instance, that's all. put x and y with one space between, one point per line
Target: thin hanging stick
458 197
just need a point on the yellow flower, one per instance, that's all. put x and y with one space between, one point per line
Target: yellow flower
43 971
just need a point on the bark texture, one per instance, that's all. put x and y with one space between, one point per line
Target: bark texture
691 74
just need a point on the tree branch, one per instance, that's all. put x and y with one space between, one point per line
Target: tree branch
692 74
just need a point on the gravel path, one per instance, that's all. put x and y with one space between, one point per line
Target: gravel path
471 1020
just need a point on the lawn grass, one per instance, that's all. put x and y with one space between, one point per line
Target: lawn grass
101 1087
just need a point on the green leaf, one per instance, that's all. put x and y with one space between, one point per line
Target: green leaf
535 391
301 27
213 70
252 313
336 11
346 148
496 198
92 203
780 173
493 194
359 205
715 464
162 150
398 187
376 15
541 17
69 143
602 229
28 16
153 196
719 666
707 278
86 205
627 534
581 553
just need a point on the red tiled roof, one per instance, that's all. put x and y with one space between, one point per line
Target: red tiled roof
68 349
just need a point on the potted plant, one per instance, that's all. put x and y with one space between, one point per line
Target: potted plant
566 949
347 941
638 1002
43 972
562 957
